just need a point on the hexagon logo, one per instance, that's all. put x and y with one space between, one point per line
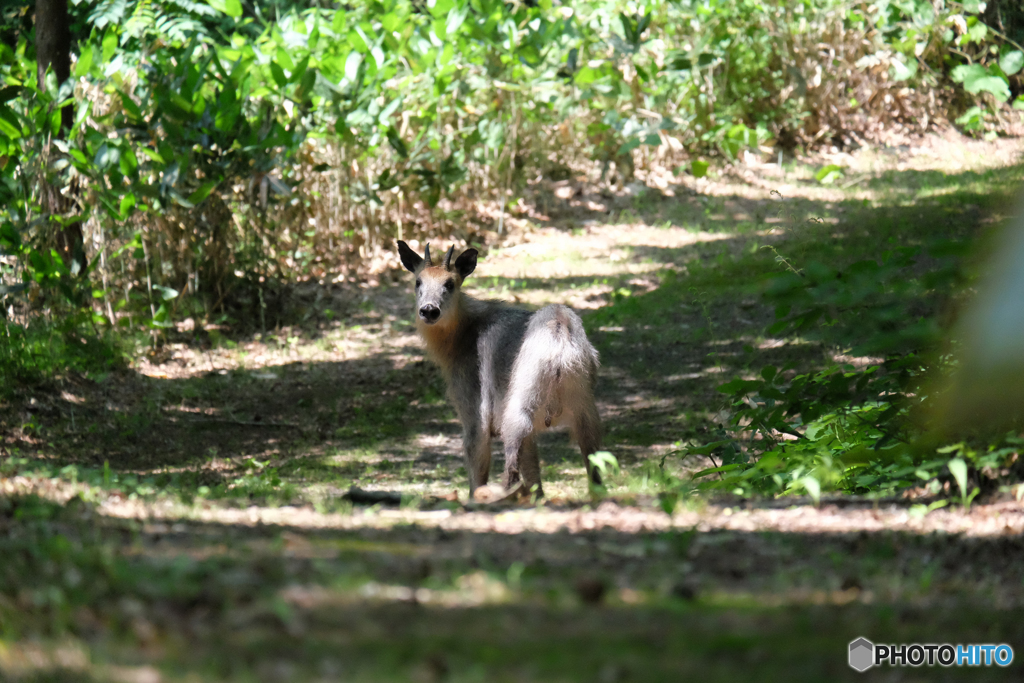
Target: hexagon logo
862 654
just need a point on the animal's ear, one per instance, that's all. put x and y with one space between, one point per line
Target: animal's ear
466 263
410 259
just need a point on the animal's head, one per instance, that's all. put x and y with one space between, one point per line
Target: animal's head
438 287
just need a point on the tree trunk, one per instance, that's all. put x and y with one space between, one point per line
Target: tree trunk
53 51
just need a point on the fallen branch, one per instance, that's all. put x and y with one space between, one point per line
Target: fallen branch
361 497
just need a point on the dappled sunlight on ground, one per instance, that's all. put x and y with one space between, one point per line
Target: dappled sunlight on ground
198 515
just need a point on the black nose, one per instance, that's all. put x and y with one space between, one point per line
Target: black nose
430 313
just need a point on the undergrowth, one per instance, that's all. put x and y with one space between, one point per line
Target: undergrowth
41 351
218 150
854 413
859 428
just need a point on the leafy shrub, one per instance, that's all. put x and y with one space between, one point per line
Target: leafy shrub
846 428
220 148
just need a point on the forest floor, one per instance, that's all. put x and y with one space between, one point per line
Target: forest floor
187 519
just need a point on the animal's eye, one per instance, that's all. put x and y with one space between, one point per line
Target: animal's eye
419 283
449 285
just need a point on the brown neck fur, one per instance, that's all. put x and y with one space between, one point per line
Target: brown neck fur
441 337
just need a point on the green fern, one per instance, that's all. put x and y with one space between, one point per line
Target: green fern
174 21
142 18
108 12
180 28
200 8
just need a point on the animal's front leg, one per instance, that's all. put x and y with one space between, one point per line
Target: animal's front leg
476 444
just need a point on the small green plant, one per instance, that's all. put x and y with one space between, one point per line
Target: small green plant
608 466
958 468
606 463
258 482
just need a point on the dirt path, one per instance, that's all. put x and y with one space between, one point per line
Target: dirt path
217 544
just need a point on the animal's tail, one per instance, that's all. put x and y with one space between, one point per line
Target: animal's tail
555 368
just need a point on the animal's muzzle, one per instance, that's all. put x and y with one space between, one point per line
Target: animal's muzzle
430 313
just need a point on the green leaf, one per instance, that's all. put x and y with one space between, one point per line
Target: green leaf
152 154
355 39
84 63
441 8
203 192
455 20
161 317
964 72
812 486
829 174
352 63
106 156
9 123
109 43
446 54
232 8
699 168
605 462
166 293
127 204
716 470
228 111
178 199
731 146
184 106
586 75
996 85
1012 62
397 143
901 71
129 106
629 146
107 12
390 22
739 387
285 60
306 85
278 73
128 161
972 119
628 29
976 31
644 22
439 29
958 468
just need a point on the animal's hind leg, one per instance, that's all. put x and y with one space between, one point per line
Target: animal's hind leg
522 463
529 466
586 431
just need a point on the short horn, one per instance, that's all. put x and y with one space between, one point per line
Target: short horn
448 258
426 255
